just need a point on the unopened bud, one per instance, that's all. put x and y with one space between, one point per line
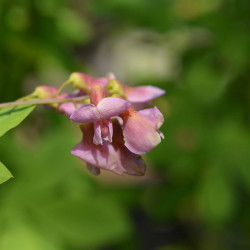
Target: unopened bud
80 81
45 92
115 88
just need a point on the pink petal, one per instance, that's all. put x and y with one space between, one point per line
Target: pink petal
155 117
97 139
67 108
112 106
140 137
96 156
161 134
85 114
110 126
133 164
114 157
143 93
101 157
99 81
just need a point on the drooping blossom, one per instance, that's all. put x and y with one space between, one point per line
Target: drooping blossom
113 156
141 129
115 129
99 111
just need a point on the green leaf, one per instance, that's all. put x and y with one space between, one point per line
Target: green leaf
11 117
88 223
27 237
216 198
5 174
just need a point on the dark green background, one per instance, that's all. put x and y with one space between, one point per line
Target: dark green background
196 191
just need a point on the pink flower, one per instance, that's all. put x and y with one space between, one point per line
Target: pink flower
141 129
141 96
113 156
111 144
100 111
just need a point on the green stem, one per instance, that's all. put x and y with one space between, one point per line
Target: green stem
26 97
62 87
44 101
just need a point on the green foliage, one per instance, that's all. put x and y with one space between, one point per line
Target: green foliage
5 174
65 203
10 118
13 116
216 198
91 215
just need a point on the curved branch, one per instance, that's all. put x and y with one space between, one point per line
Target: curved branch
44 101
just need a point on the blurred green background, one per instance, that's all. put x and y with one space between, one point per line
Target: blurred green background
197 188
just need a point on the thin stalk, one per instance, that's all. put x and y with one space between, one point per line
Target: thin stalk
26 97
44 101
62 87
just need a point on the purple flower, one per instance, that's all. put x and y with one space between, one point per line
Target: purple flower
113 156
100 111
111 144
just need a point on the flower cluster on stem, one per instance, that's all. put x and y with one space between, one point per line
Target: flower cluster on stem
116 127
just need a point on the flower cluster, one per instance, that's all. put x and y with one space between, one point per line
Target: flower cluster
116 128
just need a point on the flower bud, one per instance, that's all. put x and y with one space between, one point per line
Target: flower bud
80 81
45 92
86 82
115 88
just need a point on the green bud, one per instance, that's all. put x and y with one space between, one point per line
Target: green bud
45 92
79 81
115 88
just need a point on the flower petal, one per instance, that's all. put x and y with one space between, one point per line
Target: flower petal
103 157
161 134
85 114
133 164
155 117
96 156
110 126
97 139
112 106
67 108
140 137
102 81
114 157
143 93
